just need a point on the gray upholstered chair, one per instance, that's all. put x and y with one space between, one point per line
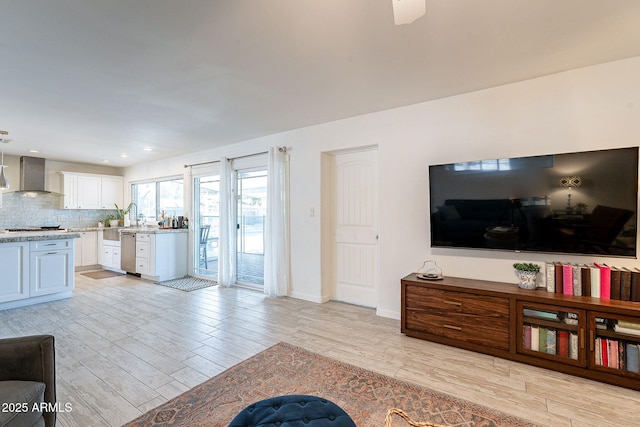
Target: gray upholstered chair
28 378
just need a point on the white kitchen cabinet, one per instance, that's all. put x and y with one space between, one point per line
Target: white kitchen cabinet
14 265
91 191
88 195
161 256
111 256
50 267
86 249
70 189
112 191
145 254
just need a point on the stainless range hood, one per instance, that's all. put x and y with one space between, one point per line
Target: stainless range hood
32 174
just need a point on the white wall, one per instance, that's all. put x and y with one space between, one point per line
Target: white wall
586 109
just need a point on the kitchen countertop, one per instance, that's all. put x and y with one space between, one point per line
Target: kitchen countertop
153 230
73 233
30 236
150 230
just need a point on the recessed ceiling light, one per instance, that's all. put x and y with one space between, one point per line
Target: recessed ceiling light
105 161
148 149
123 155
33 151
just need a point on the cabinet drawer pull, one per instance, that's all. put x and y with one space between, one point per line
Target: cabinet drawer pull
455 328
453 303
50 244
52 253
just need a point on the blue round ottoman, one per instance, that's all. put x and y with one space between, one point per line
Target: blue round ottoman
293 411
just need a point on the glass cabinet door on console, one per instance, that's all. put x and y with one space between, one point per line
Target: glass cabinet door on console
551 332
614 343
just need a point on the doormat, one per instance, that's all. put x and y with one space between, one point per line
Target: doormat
187 283
101 274
286 369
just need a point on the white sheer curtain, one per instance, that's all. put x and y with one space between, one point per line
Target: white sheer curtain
226 260
276 251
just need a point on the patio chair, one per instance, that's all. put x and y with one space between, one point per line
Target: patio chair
204 237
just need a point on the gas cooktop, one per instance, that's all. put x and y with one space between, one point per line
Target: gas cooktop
35 228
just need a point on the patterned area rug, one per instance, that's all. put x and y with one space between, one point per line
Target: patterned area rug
187 283
286 369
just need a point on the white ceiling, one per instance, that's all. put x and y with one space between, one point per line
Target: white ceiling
89 80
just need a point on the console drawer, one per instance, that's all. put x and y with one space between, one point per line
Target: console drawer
477 319
493 333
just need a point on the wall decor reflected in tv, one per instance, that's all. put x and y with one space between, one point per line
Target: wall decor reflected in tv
577 203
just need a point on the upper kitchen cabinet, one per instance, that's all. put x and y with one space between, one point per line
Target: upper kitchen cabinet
91 191
112 191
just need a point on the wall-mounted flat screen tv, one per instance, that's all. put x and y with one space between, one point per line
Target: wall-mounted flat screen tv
577 203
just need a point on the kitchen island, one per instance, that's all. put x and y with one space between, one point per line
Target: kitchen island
36 266
156 254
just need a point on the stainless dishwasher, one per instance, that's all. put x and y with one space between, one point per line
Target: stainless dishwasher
128 252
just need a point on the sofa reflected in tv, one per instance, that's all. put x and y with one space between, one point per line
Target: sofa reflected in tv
528 225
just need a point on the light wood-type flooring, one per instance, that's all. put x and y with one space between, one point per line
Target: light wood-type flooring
125 345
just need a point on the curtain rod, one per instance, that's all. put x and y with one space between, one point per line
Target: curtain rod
281 149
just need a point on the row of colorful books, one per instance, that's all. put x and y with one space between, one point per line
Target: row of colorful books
551 341
617 354
595 280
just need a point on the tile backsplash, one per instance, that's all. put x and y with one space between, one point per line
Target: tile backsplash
21 210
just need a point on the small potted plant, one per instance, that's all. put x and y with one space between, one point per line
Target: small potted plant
527 273
111 220
121 214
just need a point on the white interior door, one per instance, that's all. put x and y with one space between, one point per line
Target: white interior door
356 228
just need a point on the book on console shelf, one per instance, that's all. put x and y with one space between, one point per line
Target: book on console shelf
633 357
567 279
558 277
616 285
535 338
551 341
550 276
605 280
577 280
625 284
526 337
563 343
628 331
629 324
573 346
570 318
586 280
595 281
541 314
601 323
635 285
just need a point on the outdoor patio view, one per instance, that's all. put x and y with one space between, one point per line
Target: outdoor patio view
251 212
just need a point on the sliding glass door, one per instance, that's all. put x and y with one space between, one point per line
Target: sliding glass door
206 192
241 259
251 214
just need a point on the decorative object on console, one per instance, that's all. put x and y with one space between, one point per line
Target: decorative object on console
527 274
430 271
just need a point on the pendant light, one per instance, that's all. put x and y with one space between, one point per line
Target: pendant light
4 184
